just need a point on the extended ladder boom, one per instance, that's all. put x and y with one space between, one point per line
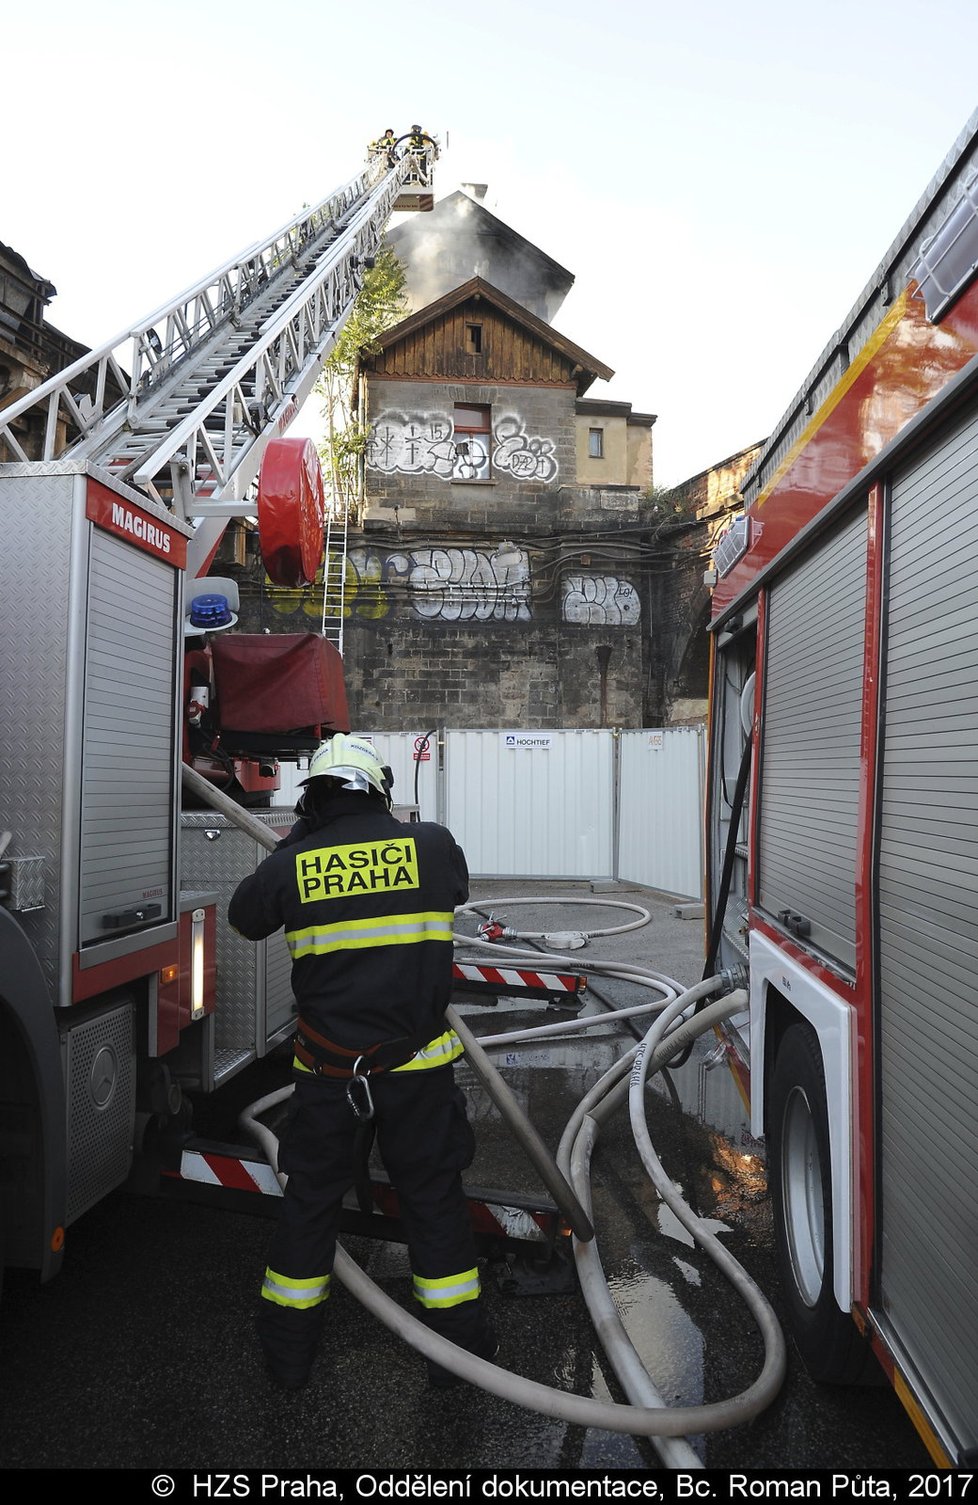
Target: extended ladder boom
221 369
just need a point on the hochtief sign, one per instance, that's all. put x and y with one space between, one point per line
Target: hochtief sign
515 740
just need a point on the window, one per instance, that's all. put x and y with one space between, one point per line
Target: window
595 444
473 339
472 443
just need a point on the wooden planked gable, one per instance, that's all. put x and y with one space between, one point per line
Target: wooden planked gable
478 334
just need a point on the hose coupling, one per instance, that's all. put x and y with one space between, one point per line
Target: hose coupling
492 930
733 978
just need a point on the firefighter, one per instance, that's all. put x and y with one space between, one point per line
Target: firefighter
418 141
367 903
385 146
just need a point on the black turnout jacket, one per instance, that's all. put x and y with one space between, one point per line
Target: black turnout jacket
367 904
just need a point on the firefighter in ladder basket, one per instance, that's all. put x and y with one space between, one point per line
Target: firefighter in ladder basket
367 903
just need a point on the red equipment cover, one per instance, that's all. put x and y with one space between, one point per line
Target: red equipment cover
291 511
278 682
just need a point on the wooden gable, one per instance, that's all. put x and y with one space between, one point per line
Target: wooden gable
478 334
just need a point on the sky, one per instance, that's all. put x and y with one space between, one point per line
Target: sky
722 180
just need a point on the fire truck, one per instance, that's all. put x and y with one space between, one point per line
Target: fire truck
121 987
842 823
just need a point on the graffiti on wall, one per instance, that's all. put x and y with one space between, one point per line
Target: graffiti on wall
426 444
444 584
524 458
468 585
600 601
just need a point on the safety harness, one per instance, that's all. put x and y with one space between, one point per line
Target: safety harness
324 1058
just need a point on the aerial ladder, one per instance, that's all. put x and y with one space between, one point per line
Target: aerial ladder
122 988
182 405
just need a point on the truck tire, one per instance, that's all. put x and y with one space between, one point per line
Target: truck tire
800 1170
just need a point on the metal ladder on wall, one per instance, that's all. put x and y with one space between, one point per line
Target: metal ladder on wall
334 575
219 371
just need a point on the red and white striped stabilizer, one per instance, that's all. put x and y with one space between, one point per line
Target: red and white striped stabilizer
211 1168
517 979
495 1218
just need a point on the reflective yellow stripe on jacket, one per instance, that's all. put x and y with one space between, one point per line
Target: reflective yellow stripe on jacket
438 1052
385 930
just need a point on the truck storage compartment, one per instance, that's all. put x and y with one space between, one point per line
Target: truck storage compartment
809 789
928 939
93 709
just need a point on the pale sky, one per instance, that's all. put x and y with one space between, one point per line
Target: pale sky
722 179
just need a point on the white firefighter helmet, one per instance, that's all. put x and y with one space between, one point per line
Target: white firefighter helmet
353 762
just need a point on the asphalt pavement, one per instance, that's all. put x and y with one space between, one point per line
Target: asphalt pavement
142 1353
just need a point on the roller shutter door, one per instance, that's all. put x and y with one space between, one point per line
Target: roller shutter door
128 821
809 793
928 925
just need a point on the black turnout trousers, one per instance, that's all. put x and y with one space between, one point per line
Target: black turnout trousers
425 1141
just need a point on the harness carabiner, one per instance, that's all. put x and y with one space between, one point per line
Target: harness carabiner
358 1095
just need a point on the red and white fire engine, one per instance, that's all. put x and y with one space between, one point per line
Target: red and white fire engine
842 827
121 986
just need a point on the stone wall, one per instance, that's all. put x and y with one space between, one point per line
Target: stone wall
416 475
514 601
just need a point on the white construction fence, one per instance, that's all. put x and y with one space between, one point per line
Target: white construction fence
563 804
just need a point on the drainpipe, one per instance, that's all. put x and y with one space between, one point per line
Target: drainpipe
603 655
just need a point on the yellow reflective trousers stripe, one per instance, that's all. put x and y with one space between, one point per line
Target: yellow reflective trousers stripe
286 1290
438 1052
448 1290
383 930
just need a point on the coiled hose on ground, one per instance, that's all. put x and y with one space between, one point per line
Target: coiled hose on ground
567 1180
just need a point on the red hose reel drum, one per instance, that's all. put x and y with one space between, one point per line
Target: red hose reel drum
291 511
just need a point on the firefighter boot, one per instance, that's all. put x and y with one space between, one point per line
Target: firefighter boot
289 1340
484 1345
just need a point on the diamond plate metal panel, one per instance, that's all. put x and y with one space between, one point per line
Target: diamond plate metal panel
254 998
280 1005
26 884
34 583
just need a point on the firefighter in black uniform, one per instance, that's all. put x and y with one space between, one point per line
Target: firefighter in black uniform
367 903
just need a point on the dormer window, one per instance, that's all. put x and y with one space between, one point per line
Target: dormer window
595 444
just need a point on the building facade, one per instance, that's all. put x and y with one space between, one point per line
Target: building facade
31 349
487 585
511 565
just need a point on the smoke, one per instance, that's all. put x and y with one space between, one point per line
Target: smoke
460 239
